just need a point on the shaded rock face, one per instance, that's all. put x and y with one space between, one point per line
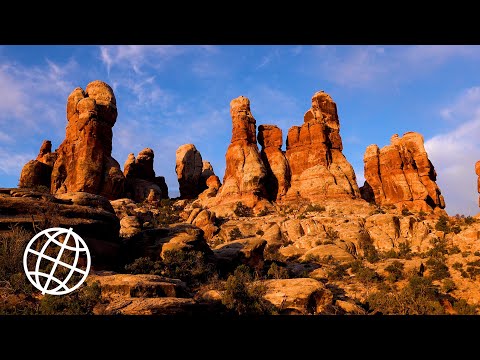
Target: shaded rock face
401 174
245 173
314 152
276 164
189 169
84 162
38 172
477 171
91 216
141 182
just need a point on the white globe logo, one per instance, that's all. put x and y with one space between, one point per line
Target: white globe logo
54 270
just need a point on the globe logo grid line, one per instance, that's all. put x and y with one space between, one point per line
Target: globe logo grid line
34 276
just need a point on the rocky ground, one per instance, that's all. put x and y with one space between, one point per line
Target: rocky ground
174 257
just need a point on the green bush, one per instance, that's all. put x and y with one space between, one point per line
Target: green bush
332 234
370 253
442 224
476 253
419 297
438 268
338 271
457 266
242 210
264 212
189 266
243 296
260 232
314 207
80 302
167 213
363 273
395 270
462 307
469 220
454 250
235 233
277 272
448 285
406 212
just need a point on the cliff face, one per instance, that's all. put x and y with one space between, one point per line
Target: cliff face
401 174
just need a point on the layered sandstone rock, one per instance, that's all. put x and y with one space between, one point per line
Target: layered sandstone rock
278 170
38 172
401 174
245 173
141 183
318 167
189 168
213 185
84 162
477 171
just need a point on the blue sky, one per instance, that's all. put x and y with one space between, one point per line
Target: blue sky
169 95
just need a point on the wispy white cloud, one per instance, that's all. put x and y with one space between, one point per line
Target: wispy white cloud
363 66
11 163
454 155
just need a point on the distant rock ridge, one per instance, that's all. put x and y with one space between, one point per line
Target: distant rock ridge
401 174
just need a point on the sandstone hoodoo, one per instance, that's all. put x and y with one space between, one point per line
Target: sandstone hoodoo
84 162
401 174
189 168
278 170
38 172
245 173
318 167
141 182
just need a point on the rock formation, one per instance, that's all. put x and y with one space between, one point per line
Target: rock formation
189 167
245 173
278 170
401 174
477 171
314 151
141 183
38 172
84 162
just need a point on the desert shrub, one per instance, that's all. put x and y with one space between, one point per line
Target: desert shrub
243 296
364 273
235 233
457 266
264 212
472 272
338 271
277 272
167 213
455 229
422 213
438 249
419 297
190 266
406 212
80 302
327 242
143 265
448 285
476 253
404 251
242 210
301 216
311 258
377 210
12 247
469 220
395 271
464 274
271 253
454 250
442 224
260 232
462 307
438 268
314 207
370 253
332 234
474 263
390 254
466 254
